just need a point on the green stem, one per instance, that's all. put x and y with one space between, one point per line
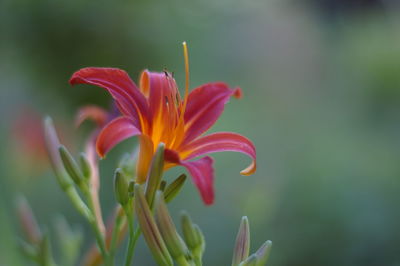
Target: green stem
76 200
133 236
93 222
114 238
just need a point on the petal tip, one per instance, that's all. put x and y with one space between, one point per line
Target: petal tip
238 93
251 169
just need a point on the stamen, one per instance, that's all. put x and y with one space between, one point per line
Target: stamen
179 129
186 56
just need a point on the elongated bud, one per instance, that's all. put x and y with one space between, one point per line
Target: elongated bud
200 236
121 187
85 166
150 230
174 242
155 174
250 261
27 221
263 253
52 145
174 188
242 246
189 233
70 165
192 235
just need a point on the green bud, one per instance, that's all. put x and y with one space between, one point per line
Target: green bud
189 233
263 253
52 145
85 166
192 235
250 261
174 188
121 187
174 242
242 246
150 230
202 243
155 174
70 165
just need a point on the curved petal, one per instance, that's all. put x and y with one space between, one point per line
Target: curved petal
218 142
202 173
117 82
92 112
201 170
204 106
114 132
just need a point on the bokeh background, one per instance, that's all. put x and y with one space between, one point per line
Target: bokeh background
321 83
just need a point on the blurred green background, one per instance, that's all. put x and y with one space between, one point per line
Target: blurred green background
321 83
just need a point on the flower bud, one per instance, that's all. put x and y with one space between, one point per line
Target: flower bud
242 246
200 236
52 145
174 188
263 253
121 187
193 236
27 221
155 174
70 165
174 242
150 230
250 261
85 166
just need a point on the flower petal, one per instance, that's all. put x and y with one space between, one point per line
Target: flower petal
114 132
92 112
218 142
205 105
201 170
117 82
146 152
202 173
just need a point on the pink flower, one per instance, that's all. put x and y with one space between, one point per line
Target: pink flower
156 113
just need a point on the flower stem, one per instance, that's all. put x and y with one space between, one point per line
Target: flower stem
94 224
133 236
114 238
76 200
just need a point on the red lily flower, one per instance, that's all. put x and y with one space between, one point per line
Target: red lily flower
156 113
